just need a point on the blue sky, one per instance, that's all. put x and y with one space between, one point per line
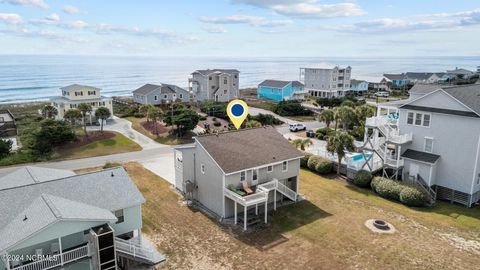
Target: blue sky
241 27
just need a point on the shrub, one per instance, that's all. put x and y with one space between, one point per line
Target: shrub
323 133
412 196
203 118
319 164
304 159
389 189
290 108
109 165
375 182
266 119
324 166
217 124
363 179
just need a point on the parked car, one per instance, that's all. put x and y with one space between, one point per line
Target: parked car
382 94
294 127
310 133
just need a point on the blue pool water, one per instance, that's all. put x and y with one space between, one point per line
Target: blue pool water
359 157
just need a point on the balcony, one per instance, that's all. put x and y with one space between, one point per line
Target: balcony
139 249
51 261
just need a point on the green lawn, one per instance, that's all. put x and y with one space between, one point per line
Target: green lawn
115 145
324 231
162 138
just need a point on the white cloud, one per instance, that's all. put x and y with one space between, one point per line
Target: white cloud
10 18
53 17
55 20
70 9
33 3
245 19
216 30
425 22
307 9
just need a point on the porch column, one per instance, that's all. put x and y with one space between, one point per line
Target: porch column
266 209
61 250
245 218
275 200
256 209
235 214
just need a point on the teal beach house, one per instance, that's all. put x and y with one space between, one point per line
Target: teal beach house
358 86
281 90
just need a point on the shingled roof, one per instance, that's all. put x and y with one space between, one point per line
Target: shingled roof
279 84
210 71
395 76
420 156
248 148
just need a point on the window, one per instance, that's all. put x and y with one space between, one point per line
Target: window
165 96
180 95
410 118
213 86
119 215
156 97
426 120
242 176
285 166
225 81
255 175
418 119
202 168
270 169
428 145
225 91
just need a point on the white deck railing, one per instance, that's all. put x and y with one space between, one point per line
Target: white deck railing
55 260
391 134
134 249
261 194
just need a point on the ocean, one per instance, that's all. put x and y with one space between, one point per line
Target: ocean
31 78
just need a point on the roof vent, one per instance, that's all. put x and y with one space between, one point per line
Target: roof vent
112 174
25 218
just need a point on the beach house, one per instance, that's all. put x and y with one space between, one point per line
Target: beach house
281 90
358 86
156 94
432 139
8 128
397 80
326 82
56 219
214 84
239 174
75 94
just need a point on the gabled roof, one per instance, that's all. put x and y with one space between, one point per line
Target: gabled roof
110 189
45 211
206 72
460 71
423 88
280 84
353 81
297 84
30 175
395 76
420 156
163 88
468 95
248 148
77 87
418 75
146 89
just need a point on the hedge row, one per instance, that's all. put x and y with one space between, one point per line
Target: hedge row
317 164
406 194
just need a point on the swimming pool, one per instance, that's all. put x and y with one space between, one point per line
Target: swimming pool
359 156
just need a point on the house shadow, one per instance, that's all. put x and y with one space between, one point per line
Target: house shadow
284 219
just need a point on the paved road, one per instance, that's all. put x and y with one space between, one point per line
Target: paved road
283 129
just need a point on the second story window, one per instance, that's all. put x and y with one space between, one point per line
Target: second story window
428 145
270 169
242 176
119 215
210 78
156 98
255 176
419 119
225 91
202 168
285 166
225 81
410 118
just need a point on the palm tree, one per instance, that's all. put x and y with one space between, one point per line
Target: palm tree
346 115
103 114
302 143
327 116
144 110
84 108
339 143
73 115
155 114
363 112
49 111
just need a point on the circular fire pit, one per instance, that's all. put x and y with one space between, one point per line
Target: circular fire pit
379 226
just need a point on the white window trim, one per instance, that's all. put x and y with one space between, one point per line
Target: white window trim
202 168
422 119
244 176
425 144
269 169
286 167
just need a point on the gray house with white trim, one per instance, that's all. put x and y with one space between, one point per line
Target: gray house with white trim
214 171
214 84
433 139
56 219
155 94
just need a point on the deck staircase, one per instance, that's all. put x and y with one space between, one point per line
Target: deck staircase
426 188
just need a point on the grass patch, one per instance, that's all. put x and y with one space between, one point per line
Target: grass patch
165 138
115 145
302 118
325 231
